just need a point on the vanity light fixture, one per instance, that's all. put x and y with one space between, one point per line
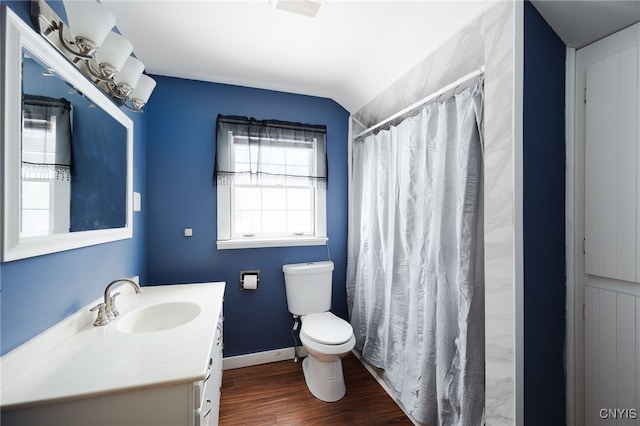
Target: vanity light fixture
104 56
89 24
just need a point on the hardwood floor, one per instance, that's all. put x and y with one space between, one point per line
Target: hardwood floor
276 394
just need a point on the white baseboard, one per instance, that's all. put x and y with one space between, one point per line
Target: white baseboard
239 361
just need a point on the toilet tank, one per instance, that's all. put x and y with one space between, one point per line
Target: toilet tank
308 287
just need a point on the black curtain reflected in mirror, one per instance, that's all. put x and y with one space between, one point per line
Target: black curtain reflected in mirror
46 141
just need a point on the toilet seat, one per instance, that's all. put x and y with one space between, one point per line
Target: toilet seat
326 328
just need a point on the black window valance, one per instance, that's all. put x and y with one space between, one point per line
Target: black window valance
250 151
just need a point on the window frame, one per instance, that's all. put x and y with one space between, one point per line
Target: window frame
225 199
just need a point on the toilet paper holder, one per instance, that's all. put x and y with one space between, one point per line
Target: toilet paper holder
245 284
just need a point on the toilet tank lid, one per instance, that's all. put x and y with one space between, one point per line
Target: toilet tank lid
326 328
307 268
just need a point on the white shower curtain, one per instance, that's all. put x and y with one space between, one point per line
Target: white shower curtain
415 275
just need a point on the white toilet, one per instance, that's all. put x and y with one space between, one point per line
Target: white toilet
326 337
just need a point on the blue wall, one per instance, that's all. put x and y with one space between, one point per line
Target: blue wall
544 222
41 291
181 117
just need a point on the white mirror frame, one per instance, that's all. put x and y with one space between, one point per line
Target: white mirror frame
19 35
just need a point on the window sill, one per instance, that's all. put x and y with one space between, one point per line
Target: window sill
275 242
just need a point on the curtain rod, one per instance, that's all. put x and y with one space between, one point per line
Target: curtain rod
462 80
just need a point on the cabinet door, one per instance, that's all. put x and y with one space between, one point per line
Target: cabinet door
612 181
213 392
207 392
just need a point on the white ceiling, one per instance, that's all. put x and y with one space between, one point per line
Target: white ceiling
350 52
579 23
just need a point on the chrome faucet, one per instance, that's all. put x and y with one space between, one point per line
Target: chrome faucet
107 310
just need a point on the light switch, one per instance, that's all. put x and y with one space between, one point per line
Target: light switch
188 232
137 203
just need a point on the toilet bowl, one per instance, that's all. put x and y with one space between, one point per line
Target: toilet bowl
327 339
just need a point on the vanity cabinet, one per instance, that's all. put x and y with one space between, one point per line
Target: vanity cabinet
103 377
196 403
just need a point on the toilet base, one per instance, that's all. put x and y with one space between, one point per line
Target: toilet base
325 380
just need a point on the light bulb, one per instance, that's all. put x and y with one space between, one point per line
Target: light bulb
143 89
114 51
89 23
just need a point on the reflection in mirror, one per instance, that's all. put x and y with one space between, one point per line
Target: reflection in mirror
73 158
67 153
46 166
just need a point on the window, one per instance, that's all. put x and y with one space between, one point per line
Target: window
46 156
271 179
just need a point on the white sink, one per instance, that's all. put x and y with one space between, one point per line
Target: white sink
158 317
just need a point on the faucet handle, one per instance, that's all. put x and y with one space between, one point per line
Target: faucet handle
114 309
102 317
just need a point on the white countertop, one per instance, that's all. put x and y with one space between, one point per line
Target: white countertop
93 361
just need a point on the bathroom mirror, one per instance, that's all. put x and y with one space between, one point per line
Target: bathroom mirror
67 153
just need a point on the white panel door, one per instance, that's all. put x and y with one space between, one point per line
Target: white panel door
612 357
612 149
604 209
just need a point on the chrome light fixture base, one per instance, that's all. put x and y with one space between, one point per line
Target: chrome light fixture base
104 72
52 28
86 47
134 104
120 90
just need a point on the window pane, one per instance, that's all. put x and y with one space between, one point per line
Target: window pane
274 198
299 156
299 199
34 223
300 222
35 195
272 155
298 170
241 152
276 169
247 222
241 158
274 221
242 167
247 198
274 210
